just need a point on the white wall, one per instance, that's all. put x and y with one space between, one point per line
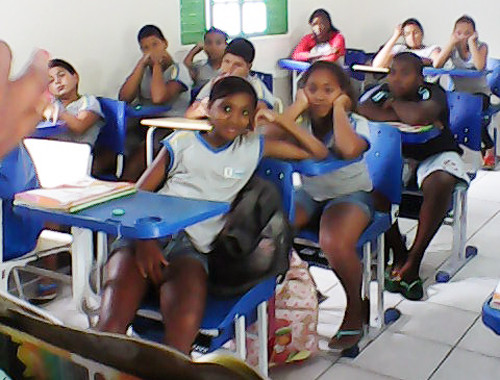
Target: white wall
99 36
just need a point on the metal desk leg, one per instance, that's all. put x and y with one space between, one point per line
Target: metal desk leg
81 262
295 79
150 145
460 255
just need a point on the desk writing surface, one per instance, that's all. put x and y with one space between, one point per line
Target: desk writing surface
49 128
455 72
146 215
145 111
312 168
178 123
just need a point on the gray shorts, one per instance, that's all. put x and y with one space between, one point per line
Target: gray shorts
174 247
362 199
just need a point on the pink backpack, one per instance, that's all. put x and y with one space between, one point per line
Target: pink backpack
293 319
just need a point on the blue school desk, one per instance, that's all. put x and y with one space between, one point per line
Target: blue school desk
49 128
491 317
143 215
139 111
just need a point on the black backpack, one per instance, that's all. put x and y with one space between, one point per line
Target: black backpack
254 244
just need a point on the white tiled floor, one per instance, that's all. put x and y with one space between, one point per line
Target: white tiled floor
441 337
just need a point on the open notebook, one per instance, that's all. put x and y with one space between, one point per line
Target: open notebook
75 196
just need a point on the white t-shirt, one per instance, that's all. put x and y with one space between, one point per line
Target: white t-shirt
176 72
344 181
424 52
260 88
199 171
83 103
203 73
470 85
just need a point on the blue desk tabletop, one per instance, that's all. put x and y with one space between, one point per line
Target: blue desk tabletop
145 111
145 215
290 64
455 72
48 129
491 317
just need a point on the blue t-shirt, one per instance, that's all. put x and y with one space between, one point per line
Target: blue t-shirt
17 174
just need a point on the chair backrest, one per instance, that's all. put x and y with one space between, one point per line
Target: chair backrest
493 78
385 161
18 234
112 134
355 56
281 174
466 118
59 162
264 77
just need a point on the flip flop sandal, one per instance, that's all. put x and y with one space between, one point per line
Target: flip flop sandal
391 283
413 291
334 343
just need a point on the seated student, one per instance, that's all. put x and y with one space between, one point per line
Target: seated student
413 35
81 113
155 80
437 164
195 165
466 52
324 43
237 61
214 44
341 201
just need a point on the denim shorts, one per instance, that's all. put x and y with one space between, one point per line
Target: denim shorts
177 246
362 199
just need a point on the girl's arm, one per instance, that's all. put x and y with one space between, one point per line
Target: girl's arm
188 60
348 144
129 90
81 122
445 53
479 53
337 44
162 92
301 51
154 175
384 56
308 145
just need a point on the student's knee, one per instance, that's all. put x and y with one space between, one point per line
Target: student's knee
336 247
439 183
120 267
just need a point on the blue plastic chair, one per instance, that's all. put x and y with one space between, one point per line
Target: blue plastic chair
353 57
264 77
113 132
384 162
465 124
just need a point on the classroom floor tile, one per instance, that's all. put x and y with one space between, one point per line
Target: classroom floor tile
401 356
311 369
344 371
482 340
466 365
432 321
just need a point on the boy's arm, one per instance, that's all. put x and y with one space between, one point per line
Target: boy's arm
81 122
309 146
130 89
162 92
154 175
422 112
188 60
372 105
479 53
197 110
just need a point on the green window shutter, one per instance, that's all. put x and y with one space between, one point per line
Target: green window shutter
192 21
277 16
